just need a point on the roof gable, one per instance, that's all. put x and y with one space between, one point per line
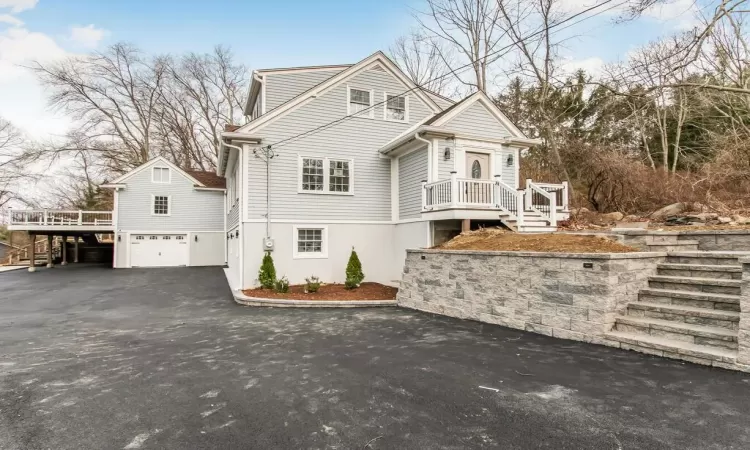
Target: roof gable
158 161
377 58
481 98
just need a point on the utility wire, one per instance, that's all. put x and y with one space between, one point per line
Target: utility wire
288 140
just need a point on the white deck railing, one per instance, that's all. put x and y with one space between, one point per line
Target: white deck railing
43 218
547 199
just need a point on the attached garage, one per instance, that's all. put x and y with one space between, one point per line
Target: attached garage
159 250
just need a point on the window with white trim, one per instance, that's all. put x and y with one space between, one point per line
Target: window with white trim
310 241
325 175
161 205
396 108
360 102
160 175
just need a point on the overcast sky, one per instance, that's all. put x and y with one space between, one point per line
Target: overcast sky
261 33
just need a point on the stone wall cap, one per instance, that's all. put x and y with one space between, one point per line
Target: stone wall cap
634 255
637 232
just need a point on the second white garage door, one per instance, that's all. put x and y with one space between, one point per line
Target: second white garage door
159 250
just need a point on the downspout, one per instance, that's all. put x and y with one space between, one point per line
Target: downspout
429 152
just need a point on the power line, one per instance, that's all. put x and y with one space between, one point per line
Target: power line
288 140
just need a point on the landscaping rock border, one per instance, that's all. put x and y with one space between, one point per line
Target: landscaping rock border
244 300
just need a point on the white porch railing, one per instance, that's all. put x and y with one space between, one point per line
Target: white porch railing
541 201
60 218
549 200
475 194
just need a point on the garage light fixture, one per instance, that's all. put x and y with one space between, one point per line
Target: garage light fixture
196 238
237 233
510 160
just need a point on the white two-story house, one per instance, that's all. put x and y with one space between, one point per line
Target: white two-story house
358 156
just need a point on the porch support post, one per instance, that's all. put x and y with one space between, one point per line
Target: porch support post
465 225
565 194
454 188
49 251
424 195
64 246
75 249
32 253
529 197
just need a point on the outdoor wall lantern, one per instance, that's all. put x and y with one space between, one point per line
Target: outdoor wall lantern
196 238
447 154
509 161
237 234
119 238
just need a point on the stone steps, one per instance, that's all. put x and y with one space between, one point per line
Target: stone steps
695 284
700 271
679 331
706 258
710 301
670 348
686 314
679 246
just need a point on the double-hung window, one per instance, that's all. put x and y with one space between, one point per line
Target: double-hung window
396 108
310 241
360 103
160 205
160 175
325 175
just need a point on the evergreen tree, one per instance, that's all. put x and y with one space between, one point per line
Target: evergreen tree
267 272
354 275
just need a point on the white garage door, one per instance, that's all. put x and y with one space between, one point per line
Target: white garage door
158 250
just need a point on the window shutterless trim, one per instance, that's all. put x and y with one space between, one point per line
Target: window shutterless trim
326 175
169 174
323 254
370 112
153 204
385 108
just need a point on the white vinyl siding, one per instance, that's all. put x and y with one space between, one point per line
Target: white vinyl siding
441 102
355 139
445 167
477 121
282 87
190 210
508 173
412 170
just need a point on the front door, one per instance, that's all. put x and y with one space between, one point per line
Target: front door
477 168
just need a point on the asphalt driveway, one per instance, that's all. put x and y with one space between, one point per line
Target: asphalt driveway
92 358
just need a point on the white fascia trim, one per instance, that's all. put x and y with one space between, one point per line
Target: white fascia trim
113 186
481 97
302 69
198 188
323 254
161 232
151 163
334 81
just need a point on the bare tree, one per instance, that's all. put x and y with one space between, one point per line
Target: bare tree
470 28
425 61
11 167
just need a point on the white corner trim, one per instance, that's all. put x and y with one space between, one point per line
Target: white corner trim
395 211
323 246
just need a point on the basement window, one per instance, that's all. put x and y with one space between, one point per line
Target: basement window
310 242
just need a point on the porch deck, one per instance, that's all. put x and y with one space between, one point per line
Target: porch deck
540 204
51 220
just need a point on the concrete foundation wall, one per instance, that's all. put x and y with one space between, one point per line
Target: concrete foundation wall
570 296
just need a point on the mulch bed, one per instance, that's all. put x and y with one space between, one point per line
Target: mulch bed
336 292
501 240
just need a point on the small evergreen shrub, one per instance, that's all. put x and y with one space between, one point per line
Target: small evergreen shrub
354 274
312 284
282 285
267 272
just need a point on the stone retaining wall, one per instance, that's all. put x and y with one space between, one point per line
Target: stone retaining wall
570 296
743 334
708 240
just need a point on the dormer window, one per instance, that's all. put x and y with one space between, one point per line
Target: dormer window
360 103
396 108
160 175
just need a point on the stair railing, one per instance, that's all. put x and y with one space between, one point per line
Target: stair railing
541 201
